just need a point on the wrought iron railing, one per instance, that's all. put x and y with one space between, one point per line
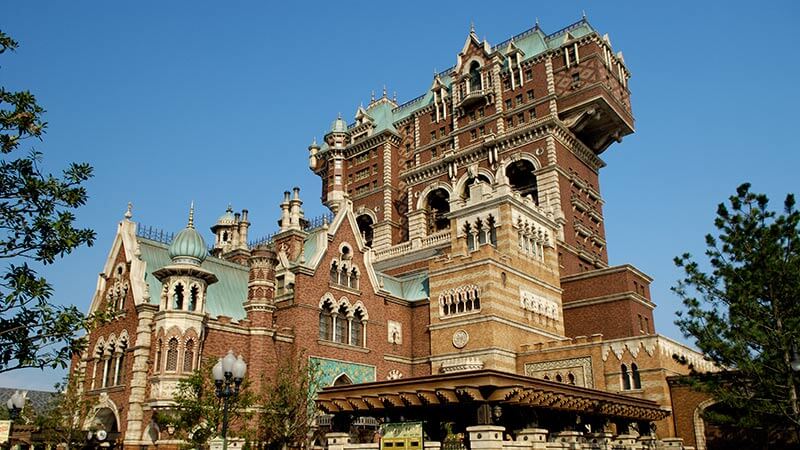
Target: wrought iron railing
154 234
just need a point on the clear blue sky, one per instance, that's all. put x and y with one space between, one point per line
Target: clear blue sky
217 102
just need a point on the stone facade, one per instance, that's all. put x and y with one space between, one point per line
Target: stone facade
466 233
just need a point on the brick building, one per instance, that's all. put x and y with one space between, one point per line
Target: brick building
465 245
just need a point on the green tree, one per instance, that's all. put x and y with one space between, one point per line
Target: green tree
61 422
287 409
36 224
742 309
197 414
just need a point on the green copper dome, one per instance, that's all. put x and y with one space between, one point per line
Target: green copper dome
188 247
339 125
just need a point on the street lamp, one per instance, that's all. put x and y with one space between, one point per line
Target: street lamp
228 374
15 404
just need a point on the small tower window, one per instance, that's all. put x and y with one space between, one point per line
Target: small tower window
438 207
637 382
158 354
224 236
522 179
194 295
172 355
119 376
177 297
188 356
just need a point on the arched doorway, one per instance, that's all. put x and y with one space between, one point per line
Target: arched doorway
522 179
437 205
714 430
365 224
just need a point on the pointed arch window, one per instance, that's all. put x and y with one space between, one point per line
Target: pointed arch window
172 355
357 328
475 77
159 345
108 366
325 321
188 356
334 273
340 325
119 377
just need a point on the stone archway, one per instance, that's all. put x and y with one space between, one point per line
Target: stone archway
700 424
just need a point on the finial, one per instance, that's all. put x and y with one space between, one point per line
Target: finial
384 91
394 97
129 212
537 22
372 96
314 142
191 216
471 27
339 116
583 14
230 207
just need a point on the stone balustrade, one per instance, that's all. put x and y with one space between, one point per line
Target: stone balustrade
491 437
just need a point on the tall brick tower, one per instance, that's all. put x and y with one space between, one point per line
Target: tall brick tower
534 112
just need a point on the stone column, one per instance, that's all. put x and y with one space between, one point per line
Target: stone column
138 379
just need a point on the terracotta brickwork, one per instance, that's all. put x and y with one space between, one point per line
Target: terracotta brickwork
466 233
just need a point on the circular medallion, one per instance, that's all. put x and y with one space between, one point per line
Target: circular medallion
460 338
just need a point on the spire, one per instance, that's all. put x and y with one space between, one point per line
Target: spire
191 216
471 27
384 91
583 14
537 22
129 212
372 96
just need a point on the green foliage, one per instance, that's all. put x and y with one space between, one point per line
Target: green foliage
62 421
288 409
36 224
197 414
743 311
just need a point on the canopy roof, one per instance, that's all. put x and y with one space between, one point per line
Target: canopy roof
484 386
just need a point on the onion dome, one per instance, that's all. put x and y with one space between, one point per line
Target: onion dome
188 246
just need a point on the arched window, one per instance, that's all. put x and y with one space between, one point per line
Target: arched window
626 379
637 382
365 225
340 325
472 180
353 279
357 329
120 375
188 356
462 299
342 380
475 77
177 297
558 378
194 296
224 236
546 377
438 207
334 273
108 369
571 378
172 355
325 321
522 179
159 346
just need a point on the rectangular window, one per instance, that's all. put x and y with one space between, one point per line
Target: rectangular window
528 74
521 118
471 116
481 130
530 94
647 325
363 189
374 169
481 112
361 158
361 174
509 104
433 152
510 122
442 132
433 135
519 99
532 112
507 84
576 77
473 134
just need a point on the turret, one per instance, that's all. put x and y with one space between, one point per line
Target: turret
261 287
230 233
313 150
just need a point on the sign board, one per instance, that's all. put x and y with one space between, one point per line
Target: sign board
5 431
401 436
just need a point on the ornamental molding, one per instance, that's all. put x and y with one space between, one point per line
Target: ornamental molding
539 304
583 364
461 365
460 339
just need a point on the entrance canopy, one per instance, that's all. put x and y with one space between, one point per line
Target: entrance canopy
483 387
